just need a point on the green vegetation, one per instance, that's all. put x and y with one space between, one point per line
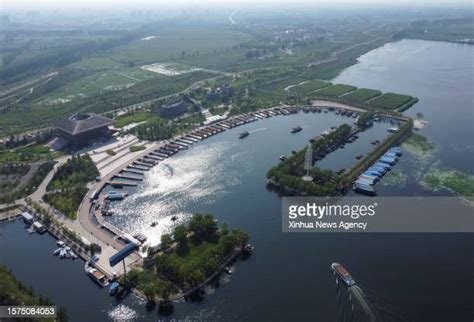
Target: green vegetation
14 186
458 182
190 255
110 152
365 120
336 90
135 148
391 101
130 118
419 145
13 292
459 30
30 153
362 94
394 178
287 175
68 187
309 86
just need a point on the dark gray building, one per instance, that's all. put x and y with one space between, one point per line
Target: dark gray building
174 108
81 129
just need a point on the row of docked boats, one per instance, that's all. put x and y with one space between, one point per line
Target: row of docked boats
366 181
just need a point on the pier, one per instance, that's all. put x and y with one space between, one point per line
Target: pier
124 176
132 171
122 183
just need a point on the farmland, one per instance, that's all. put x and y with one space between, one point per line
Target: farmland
336 90
362 94
391 101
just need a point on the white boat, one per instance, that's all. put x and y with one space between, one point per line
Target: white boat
68 248
72 254
60 243
62 253
56 252
392 129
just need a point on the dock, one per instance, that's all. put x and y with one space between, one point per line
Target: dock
132 171
124 176
122 183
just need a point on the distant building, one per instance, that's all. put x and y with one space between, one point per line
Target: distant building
81 129
228 90
174 108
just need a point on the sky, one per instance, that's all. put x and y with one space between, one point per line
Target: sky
31 4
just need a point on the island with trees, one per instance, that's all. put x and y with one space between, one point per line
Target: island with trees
193 255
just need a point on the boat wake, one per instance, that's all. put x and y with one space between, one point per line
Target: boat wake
258 130
122 313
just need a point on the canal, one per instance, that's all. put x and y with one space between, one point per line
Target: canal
407 277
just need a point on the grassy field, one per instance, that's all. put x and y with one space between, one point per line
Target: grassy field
363 94
179 42
114 79
309 86
30 153
127 119
391 101
336 90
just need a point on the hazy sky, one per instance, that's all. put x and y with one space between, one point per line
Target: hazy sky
6 4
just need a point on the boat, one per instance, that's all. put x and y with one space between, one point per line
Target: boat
56 252
60 243
296 129
392 129
228 270
72 254
63 253
364 189
343 274
113 288
96 276
243 135
282 157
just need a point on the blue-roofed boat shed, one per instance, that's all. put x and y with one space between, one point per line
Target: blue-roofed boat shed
122 254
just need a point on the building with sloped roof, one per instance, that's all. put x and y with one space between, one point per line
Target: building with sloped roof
81 129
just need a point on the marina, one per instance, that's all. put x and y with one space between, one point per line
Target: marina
391 256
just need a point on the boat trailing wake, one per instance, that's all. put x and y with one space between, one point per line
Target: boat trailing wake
122 313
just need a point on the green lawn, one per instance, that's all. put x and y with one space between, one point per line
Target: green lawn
336 90
391 101
135 148
362 94
36 152
309 86
127 119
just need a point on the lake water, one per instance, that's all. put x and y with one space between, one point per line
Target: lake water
406 277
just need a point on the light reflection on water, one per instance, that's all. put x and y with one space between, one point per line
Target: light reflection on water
210 170
174 186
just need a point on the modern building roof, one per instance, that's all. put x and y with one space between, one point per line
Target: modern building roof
80 123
